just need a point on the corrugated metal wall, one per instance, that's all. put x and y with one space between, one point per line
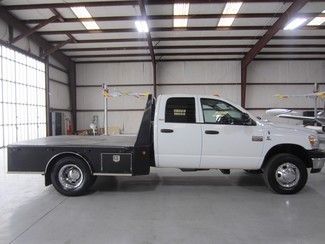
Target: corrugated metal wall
265 78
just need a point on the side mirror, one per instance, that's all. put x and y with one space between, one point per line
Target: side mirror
247 120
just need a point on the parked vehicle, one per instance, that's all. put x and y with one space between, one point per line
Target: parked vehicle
188 132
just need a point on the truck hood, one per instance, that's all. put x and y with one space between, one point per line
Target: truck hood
289 128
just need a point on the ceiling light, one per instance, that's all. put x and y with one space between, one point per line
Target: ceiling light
317 20
226 21
181 9
141 26
180 22
230 8
82 13
90 25
295 23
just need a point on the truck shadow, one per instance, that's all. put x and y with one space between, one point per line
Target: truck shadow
150 182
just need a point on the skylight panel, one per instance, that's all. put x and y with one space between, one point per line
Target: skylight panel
230 8
181 9
82 13
142 26
317 20
295 23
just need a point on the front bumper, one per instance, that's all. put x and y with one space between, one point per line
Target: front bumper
317 158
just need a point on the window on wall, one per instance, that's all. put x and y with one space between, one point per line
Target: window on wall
22 97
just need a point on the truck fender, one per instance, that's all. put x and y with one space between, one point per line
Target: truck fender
294 149
52 161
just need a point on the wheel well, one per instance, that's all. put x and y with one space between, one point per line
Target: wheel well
56 158
293 149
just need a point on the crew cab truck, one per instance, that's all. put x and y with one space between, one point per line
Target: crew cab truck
188 132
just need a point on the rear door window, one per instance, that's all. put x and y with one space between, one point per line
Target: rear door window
180 110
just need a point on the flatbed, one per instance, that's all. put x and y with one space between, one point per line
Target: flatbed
104 155
77 141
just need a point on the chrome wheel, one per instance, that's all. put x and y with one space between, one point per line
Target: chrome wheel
287 175
70 176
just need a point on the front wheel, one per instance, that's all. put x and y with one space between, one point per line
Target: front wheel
285 174
71 176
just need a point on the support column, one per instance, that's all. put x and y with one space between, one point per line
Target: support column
72 93
243 84
47 98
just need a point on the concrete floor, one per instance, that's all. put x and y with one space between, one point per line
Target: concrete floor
166 207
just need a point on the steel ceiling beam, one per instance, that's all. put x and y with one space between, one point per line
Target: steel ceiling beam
190 54
197 60
126 48
35 37
278 25
162 29
170 17
195 38
34 29
128 3
55 48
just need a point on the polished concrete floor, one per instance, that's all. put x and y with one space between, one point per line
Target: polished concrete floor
166 207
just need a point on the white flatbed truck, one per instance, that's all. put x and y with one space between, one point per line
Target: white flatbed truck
189 132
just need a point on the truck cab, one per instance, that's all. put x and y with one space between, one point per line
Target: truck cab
208 132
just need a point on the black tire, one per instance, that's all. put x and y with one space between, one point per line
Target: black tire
78 167
285 161
253 171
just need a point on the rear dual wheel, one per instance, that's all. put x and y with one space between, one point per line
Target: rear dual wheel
71 176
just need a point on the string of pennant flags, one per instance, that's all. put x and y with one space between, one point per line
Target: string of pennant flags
115 93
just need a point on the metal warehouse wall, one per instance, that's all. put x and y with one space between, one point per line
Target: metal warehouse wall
127 111
265 78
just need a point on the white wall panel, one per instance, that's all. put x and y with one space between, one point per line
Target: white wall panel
286 71
258 96
229 92
128 121
195 72
56 63
59 96
114 73
58 75
262 96
92 98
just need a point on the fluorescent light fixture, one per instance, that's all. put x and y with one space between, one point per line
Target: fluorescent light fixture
317 20
141 26
230 8
180 22
90 25
179 10
82 13
226 21
295 23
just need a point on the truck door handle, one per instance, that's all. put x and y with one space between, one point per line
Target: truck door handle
212 132
166 131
